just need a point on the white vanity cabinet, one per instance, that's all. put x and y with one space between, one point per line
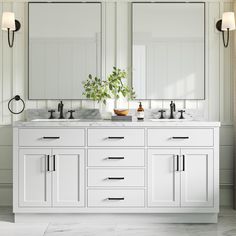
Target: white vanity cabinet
34 179
50 166
181 167
180 178
51 177
117 167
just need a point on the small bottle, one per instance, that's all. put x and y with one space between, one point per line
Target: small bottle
140 112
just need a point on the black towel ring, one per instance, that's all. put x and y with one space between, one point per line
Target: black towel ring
16 98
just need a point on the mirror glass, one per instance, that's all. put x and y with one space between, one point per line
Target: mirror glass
64 48
168 50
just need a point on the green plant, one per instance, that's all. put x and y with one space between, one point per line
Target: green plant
114 87
117 86
96 89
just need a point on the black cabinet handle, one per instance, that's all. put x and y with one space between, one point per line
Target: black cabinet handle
116 198
183 162
48 163
115 178
48 137
177 163
116 137
180 137
115 158
54 162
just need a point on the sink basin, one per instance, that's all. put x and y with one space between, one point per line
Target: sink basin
171 120
57 120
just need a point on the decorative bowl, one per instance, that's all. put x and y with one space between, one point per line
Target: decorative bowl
121 112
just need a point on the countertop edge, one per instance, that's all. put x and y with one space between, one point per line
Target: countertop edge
104 123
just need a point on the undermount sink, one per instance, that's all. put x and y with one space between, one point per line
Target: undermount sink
172 120
57 120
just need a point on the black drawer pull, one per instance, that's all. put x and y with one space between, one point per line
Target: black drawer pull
177 163
116 137
115 178
115 158
116 198
46 137
183 162
180 137
54 162
48 163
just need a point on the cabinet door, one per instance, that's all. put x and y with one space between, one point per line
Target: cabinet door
196 177
68 177
34 178
163 178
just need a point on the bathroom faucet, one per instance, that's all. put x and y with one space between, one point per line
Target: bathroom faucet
172 110
60 109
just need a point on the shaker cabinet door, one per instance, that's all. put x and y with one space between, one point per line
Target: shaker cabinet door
197 177
34 178
163 178
68 177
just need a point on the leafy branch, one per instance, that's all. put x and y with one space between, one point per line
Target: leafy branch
114 87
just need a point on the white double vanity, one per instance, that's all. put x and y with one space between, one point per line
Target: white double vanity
167 171
167 168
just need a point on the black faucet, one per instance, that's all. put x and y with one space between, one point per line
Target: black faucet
172 110
60 109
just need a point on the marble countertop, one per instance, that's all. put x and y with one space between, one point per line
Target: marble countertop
109 123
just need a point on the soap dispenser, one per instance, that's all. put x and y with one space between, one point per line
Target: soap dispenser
140 112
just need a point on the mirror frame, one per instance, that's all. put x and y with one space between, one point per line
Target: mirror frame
28 40
132 43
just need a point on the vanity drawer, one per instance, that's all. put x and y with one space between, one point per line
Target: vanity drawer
116 157
116 198
116 137
115 177
51 137
180 137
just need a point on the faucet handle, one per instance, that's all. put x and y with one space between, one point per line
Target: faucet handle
51 114
162 112
71 114
181 114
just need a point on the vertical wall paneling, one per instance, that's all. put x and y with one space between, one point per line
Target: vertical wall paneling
30 104
226 116
110 31
18 60
5 165
6 72
104 39
234 107
1 71
226 81
213 62
122 41
110 41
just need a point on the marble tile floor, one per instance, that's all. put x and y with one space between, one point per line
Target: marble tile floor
225 227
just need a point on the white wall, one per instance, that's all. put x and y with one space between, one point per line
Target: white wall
218 105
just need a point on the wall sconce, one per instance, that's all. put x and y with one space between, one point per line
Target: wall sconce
227 23
9 23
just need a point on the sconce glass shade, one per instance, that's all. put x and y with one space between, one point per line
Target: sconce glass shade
8 21
228 21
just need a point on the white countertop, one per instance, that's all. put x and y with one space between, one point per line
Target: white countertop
109 123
